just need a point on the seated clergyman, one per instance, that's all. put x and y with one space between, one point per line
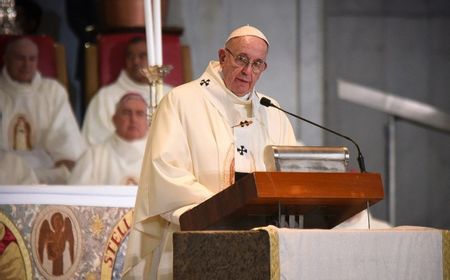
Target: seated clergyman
38 122
118 160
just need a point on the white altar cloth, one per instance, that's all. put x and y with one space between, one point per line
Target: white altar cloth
102 196
398 253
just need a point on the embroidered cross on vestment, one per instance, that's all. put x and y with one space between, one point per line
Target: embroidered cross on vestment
204 82
242 150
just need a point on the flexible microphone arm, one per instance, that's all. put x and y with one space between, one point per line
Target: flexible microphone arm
362 167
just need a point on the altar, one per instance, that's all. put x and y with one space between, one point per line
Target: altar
64 232
272 253
80 232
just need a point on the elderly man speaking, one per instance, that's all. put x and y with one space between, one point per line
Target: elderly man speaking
203 133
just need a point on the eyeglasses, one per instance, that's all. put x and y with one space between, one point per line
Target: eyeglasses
242 60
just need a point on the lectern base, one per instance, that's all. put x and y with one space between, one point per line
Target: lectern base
221 255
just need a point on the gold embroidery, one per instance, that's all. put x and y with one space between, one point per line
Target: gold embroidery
243 123
231 179
22 134
228 166
274 251
14 257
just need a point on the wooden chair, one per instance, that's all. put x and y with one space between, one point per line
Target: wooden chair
106 58
52 56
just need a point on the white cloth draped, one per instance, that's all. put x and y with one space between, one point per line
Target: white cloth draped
399 253
97 124
114 162
190 157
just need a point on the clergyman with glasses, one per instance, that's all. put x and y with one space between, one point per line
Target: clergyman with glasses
203 134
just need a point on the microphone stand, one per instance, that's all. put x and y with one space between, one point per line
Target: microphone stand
362 167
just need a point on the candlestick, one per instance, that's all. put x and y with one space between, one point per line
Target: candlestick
155 76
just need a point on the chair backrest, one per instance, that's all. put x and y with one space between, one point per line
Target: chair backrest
51 60
106 58
112 50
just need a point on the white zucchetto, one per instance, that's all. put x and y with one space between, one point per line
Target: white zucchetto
247 30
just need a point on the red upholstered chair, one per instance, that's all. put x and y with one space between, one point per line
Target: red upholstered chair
52 59
106 58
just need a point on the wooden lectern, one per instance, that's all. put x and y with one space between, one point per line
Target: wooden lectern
322 200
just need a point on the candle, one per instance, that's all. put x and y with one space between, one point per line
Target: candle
149 33
158 32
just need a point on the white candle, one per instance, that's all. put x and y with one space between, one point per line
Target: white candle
149 33
158 32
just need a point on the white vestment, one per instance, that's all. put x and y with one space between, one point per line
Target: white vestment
37 123
113 162
97 124
190 157
14 171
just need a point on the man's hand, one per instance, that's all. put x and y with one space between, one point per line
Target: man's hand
67 163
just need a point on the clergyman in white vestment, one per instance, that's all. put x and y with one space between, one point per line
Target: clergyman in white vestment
118 160
37 122
97 124
202 133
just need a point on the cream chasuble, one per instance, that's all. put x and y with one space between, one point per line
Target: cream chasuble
190 157
97 124
114 162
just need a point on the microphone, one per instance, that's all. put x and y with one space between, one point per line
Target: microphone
266 102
